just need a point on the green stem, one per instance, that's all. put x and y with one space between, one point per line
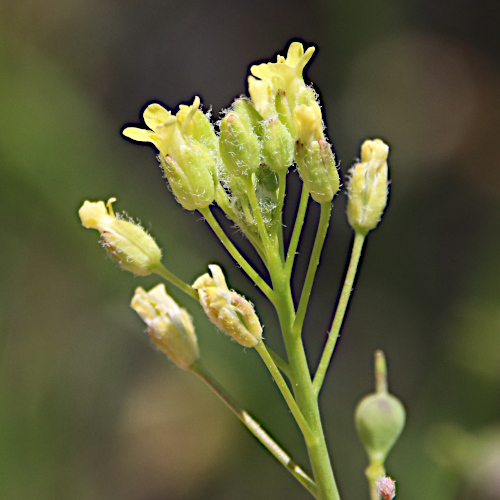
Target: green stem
285 391
265 288
297 229
372 473
256 429
302 385
280 362
324 221
162 271
223 202
278 215
254 203
340 312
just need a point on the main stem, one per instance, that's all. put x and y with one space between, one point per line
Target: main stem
302 384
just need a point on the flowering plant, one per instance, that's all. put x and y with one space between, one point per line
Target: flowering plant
242 170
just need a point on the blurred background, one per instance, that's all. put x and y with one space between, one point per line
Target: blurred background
88 410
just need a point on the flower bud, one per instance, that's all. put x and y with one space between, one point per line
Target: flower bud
318 170
226 309
284 112
239 146
196 125
190 180
244 107
127 243
169 326
314 156
277 145
368 187
379 417
386 487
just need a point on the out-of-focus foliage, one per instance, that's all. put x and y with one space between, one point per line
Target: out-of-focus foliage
87 409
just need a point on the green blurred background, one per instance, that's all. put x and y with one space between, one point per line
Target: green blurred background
88 411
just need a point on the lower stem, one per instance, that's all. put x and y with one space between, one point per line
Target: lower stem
302 386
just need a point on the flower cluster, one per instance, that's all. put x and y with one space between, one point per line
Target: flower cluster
259 138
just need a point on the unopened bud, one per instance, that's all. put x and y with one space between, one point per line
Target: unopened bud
169 326
314 156
284 111
196 125
239 146
379 417
226 309
368 187
386 487
192 177
127 243
244 108
318 170
277 145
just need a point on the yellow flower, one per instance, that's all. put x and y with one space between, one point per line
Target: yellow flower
284 75
188 147
127 243
169 326
226 309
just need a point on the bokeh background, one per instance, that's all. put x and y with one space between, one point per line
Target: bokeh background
88 411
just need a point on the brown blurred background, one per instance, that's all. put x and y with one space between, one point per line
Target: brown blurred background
88 411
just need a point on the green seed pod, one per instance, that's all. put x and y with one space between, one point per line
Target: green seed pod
380 417
239 146
277 145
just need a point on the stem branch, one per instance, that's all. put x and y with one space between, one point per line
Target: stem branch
285 391
162 271
324 221
256 429
297 229
254 276
340 312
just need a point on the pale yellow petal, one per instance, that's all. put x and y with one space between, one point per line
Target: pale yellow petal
155 114
142 135
94 215
262 97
